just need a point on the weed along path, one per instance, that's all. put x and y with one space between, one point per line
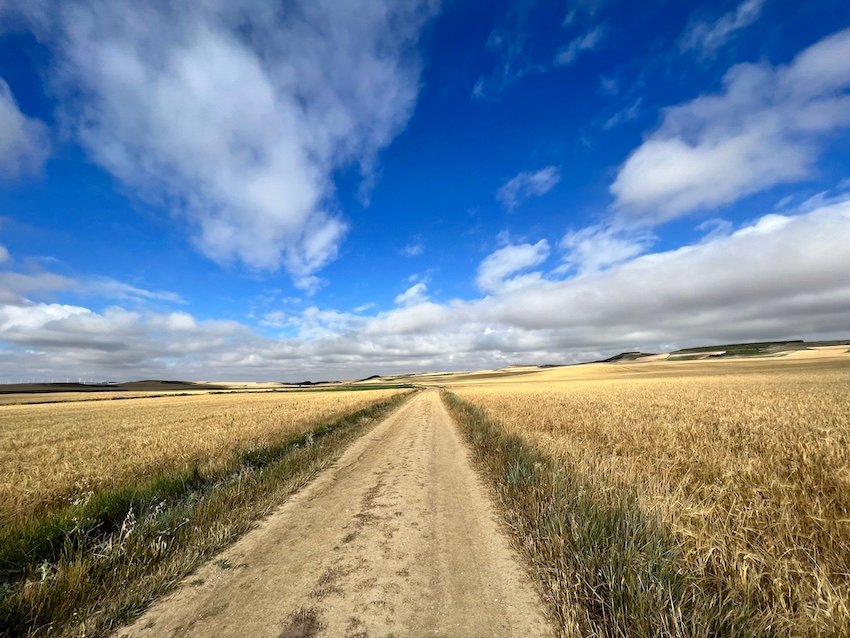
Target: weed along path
397 538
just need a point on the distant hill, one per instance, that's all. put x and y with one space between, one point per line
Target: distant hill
627 356
752 349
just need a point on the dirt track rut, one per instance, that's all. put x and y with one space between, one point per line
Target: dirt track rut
398 538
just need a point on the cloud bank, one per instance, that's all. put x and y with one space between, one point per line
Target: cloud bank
778 277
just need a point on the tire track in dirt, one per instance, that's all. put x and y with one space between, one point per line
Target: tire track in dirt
397 538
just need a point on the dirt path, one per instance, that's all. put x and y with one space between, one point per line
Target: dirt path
398 538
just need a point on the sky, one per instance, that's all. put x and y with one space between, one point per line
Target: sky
330 189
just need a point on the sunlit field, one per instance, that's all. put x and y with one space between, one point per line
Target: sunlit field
107 504
746 465
65 397
59 452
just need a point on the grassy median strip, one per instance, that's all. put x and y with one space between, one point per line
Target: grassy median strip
85 568
607 567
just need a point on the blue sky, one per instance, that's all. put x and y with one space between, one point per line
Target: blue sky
244 190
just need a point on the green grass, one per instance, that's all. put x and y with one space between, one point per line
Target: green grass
608 568
83 569
744 348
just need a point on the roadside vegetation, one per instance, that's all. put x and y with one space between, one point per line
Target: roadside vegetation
203 472
677 506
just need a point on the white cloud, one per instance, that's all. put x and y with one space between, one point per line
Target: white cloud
35 316
418 319
416 294
14 286
714 228
364 307
508 43
597 247
17 288
117 341
24 141
767 127
239 113
4 254
609 85
626 114
781 276
109 288
494 273
413 249
570 18
580 8
708 37
528 184
275 319
175 322
587 42
315 323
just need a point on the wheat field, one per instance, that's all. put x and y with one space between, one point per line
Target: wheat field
22 398
55 453
748 465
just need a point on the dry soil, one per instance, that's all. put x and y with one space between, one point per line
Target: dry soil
398 538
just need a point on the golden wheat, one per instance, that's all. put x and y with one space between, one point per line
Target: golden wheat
59 451
748 465
21 398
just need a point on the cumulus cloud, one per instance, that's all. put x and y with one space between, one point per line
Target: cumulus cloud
581 44
766 127
238 113
495 272
24 141
29 317
708 37
420 320
772 277
4 254
528 184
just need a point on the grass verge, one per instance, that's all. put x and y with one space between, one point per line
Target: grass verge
89 567
607 567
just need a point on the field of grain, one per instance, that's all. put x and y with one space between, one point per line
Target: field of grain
24 398
58 452
747 465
